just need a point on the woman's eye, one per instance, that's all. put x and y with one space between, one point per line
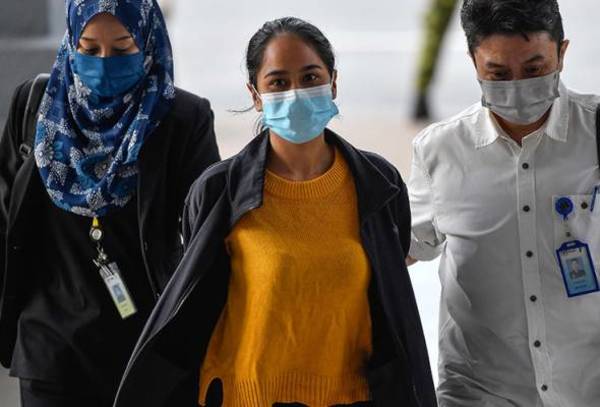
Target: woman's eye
121 51
311 77
90 51
278 83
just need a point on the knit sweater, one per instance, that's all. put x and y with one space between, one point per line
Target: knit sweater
296 326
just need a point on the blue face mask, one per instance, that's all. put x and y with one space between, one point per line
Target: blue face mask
299 115
111 76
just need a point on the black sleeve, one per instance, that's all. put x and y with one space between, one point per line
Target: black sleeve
10 161
201 150
205 202
402 214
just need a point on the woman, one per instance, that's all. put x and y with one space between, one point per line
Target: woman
90 220
293 288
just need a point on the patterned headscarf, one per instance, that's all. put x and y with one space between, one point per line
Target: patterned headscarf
86 147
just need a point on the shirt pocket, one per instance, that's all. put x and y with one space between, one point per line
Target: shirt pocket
582 224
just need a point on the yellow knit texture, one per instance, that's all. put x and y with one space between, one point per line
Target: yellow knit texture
296 326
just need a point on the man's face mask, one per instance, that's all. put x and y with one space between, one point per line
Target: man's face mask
522 101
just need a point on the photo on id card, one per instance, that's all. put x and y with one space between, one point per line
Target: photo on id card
577 269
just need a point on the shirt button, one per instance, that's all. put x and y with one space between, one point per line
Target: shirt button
525 166
526 208
584 205
529 254
533 298
537 344
544 387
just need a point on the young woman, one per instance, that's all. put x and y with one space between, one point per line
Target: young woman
89 221
293 288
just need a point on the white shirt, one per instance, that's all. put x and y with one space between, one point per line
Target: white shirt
509 333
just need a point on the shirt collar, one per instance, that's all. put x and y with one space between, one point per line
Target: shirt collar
558 122
557 125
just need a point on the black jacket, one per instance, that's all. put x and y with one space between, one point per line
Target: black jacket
171 159
167 359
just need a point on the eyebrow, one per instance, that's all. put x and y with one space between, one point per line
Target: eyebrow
125 37
283 72
493 65
536 58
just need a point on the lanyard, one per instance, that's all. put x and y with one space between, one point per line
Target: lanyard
111 275
96 236
96 233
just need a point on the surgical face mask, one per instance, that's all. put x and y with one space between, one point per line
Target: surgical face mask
523 101
299 115
111 76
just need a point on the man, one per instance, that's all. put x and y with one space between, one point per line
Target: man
576 271
503 191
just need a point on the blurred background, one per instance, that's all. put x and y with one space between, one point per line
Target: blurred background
377 43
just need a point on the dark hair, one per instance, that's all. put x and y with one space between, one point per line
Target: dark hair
482 18
287 25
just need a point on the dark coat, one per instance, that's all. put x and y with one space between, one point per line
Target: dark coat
179 150
167 359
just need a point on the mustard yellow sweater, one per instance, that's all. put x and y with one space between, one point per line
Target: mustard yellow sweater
296 326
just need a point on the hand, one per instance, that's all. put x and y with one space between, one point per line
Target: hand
410 261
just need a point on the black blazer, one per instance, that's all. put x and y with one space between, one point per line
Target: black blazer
165 365
179 150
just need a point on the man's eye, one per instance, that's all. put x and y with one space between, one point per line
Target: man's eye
533 70
499 76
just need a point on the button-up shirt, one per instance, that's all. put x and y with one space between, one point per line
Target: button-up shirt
509 333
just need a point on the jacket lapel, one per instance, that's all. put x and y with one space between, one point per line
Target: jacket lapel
373 189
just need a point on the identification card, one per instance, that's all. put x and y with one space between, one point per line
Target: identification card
577 268
117 289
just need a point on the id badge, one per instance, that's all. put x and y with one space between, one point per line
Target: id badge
117 290
577 268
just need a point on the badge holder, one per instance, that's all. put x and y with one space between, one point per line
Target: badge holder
574 258
111 275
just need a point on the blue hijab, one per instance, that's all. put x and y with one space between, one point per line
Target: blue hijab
87 147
